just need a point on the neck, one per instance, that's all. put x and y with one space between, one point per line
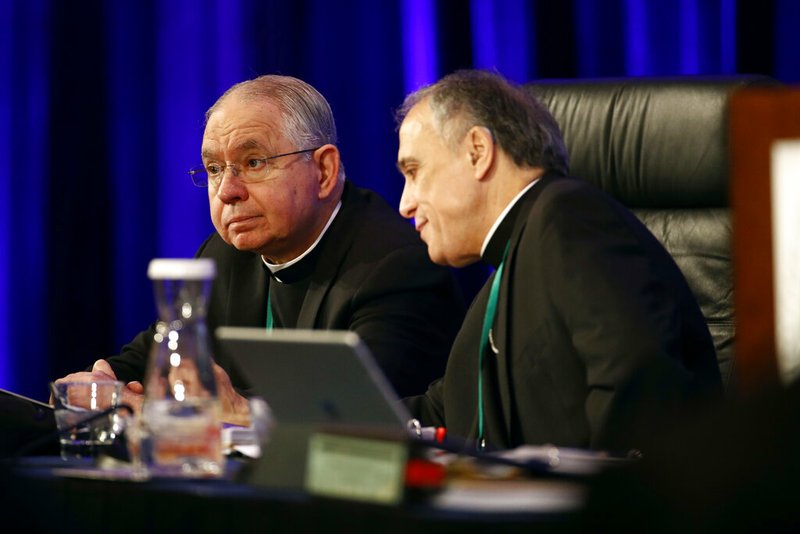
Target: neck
327 213
506 196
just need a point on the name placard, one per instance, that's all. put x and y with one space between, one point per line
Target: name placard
356 468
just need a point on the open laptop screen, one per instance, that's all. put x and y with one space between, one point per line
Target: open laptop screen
314 376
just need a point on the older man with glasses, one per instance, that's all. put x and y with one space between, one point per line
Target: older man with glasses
297 246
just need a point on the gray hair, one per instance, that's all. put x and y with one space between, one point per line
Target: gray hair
306 115
520 124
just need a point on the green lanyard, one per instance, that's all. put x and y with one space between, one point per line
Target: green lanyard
488 319
269 309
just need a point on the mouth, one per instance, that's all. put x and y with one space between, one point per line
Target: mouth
420 226
240 220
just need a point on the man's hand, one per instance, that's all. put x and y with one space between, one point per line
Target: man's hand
235 408
132 392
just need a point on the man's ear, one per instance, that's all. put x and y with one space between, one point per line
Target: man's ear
480 150
328 162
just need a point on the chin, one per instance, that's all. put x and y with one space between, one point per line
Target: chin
246 245
440 258
461 262
440 261
452 260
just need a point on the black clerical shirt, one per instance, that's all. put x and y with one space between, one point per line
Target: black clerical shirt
288 287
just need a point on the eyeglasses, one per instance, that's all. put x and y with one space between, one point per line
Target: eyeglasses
250 171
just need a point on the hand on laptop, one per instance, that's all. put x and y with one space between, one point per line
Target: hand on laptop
235 408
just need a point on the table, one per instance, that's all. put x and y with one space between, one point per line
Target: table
37 491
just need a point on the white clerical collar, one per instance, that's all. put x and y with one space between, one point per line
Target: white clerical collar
503 214
275 267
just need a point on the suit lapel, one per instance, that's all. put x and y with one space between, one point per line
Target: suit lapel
335 246
504 322
246 299
501 342
320 283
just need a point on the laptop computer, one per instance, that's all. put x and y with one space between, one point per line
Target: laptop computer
26 425
310 379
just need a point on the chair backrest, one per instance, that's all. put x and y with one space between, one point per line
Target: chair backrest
660 146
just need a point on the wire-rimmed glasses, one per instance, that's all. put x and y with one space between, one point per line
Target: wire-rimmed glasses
249 171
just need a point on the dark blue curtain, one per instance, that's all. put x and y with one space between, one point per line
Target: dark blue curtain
102 102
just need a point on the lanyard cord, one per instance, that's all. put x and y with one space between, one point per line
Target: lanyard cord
488 319
269 308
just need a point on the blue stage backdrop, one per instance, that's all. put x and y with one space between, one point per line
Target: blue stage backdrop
102 103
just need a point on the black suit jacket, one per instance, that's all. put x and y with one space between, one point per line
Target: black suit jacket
595 327
372 276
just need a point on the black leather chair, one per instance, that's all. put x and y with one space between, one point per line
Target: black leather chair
660 146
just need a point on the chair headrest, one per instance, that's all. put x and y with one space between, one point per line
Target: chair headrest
650 142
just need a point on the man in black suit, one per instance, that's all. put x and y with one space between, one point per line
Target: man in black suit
291 232
587 328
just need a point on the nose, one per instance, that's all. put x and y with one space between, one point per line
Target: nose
230 188
408 203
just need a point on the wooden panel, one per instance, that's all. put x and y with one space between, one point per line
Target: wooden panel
758 117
